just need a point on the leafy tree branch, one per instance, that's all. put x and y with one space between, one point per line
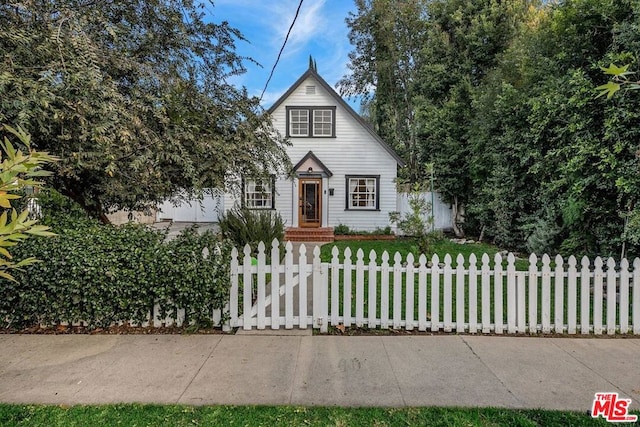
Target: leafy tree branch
19 170
620 79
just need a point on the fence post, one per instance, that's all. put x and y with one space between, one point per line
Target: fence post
611 296
498 298
572 297
512 299
319 318
247 291
624 296
533 294
397 290
288 283
410 294
447 295
558 312
346 305
335 286
422 293
460 298
233 293
585 296
435 293
486 294
359 288
521 303
275 284
302 287
324 297
473 294
261 315
384 291
545 300
598 277
373 287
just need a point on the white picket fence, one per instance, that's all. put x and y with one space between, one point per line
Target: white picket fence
474 296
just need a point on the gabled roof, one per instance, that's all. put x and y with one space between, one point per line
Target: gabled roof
315 158
313 73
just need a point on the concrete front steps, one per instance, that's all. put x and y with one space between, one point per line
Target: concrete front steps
296 234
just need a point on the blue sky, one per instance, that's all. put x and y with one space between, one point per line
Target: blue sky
320 31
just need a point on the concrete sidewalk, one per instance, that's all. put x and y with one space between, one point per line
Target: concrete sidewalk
453 370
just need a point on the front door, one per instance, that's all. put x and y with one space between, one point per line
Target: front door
310 202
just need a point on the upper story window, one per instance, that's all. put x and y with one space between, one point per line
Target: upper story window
298 122
310 122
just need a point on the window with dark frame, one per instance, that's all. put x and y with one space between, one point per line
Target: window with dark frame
309 122
322 122
258 193
363 192
299 122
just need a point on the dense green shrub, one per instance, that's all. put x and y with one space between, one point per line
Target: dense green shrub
102 274
341 230
245 226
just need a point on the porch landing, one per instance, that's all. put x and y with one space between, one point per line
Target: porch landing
298 234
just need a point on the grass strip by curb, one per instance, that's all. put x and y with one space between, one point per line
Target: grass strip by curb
181 415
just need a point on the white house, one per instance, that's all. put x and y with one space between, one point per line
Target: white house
343 172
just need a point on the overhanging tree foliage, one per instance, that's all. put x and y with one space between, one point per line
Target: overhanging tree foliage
133 96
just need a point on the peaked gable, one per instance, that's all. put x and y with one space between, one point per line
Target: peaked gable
314 74
312 160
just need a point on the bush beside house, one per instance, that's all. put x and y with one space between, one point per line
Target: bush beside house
103 274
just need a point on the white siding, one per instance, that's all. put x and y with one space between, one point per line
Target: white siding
352 152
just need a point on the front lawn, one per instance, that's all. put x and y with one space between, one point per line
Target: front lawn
405 246
180 415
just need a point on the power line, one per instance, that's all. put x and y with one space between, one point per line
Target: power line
281 49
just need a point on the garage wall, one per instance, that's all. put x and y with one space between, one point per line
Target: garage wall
209 209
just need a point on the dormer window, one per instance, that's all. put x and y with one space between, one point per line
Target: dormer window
311 122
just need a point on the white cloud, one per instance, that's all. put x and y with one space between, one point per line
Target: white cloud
319 31
310 23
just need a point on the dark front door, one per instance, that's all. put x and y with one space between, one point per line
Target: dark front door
310 202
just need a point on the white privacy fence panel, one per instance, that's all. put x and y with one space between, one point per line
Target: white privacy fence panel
488 295
441 211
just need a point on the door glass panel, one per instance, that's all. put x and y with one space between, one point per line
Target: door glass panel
310 202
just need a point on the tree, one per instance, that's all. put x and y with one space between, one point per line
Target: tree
387 36
555 169
134 97
464 42
18 171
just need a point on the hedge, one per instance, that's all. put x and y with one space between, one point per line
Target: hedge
102 274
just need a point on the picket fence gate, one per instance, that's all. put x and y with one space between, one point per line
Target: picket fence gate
471 296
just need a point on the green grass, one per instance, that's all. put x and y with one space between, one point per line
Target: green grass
406 246
178 415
